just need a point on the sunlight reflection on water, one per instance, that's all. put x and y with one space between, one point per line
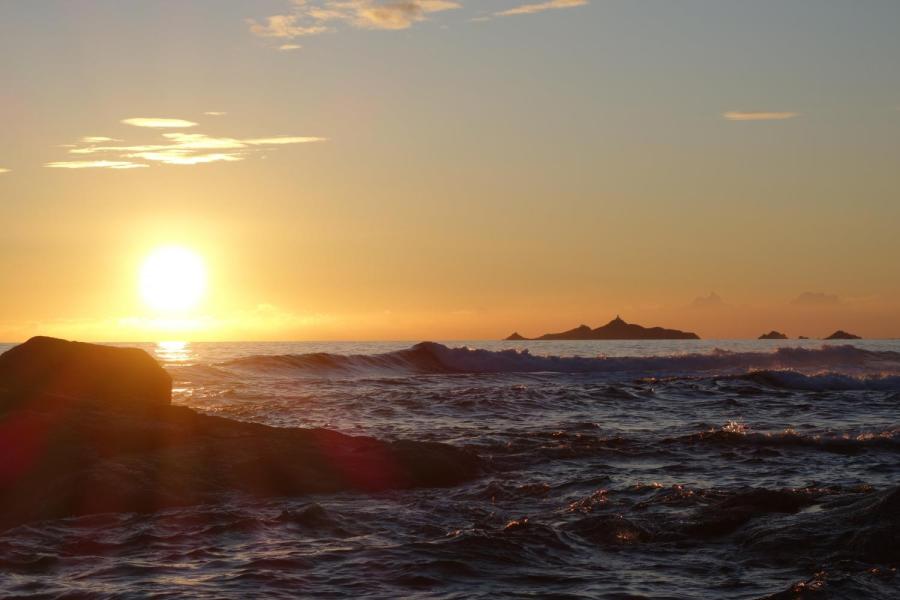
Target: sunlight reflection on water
174 352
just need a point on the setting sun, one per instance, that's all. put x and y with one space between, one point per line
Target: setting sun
173 278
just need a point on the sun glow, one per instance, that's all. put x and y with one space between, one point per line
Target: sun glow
173 279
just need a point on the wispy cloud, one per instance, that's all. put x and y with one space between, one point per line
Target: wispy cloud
816 299
158 123
215 113
97 139
313 17
289 47
178 156
739 115
2 170
174 148
713 301
94 164
530 9
280 141
285 26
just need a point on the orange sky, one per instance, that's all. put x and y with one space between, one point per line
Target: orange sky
451 172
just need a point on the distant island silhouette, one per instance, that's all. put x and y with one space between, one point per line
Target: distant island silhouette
773 335
617 329
840 334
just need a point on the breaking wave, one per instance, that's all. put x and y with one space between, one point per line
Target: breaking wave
434 358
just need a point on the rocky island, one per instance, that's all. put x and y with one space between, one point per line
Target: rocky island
88 429
842 335
617 329
773 335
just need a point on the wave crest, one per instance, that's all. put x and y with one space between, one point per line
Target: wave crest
434 358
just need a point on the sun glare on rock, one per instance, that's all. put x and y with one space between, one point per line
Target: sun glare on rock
173 279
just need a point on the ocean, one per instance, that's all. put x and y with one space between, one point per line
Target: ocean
646 469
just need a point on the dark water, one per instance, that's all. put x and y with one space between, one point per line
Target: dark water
664 470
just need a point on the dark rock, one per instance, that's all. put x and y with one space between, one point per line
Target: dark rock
71 445
773 335
842 335
46 368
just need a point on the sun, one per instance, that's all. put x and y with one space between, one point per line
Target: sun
173 279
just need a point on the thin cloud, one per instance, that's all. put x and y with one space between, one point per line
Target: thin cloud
713 301
176 148
285 26
175 156
2 170
310 17
738 115
94 164
396 15
816 299
530 9
215 113
98 139
158 123
289 47
280 141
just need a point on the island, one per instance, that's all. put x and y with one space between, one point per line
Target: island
840 334
773 335
617 329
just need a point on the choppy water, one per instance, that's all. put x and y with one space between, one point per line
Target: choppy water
688 469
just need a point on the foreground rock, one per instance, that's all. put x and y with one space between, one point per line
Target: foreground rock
617 329
43 369
87 429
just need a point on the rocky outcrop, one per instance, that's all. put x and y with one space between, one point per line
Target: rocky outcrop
842 335
515 337
617 329
773 335
87 429
45 369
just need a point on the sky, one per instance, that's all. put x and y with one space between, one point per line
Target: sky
451 169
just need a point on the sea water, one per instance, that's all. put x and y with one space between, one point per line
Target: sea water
650 469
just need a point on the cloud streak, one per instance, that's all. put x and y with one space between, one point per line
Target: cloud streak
173 148
739 115
2 170
97 139
94 164
816 299
158 123
314 17
538 7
